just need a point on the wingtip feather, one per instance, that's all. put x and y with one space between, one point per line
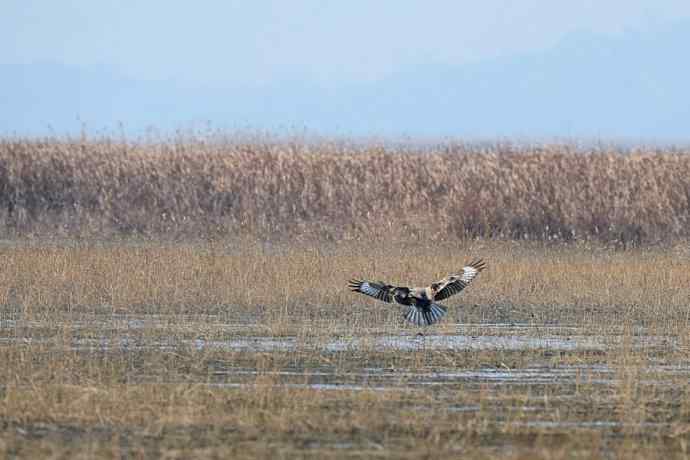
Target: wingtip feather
355 284
478 264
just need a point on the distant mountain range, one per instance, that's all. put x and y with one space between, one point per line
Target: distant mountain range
632 86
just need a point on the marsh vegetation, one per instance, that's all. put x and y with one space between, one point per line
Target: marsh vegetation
191 188
122 336
252 349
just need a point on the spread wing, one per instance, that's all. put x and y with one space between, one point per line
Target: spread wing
453 284
378 290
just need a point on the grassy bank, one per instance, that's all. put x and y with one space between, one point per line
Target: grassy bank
183 188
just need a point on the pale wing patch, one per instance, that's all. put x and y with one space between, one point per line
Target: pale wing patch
456 283
468 274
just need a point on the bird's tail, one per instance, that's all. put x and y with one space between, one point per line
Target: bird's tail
420 317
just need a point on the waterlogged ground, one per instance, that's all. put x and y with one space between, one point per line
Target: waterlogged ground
126 332
515 381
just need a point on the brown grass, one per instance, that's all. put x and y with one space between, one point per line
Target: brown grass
236 278
113 346
68 389
335 190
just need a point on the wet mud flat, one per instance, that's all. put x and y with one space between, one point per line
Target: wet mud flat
137 385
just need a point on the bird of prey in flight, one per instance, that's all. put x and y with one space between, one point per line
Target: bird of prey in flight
421 302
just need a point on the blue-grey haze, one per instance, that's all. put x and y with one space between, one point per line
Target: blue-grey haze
631 84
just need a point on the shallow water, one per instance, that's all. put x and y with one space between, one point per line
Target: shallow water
127 334
539 374
378 379
137 332
267 344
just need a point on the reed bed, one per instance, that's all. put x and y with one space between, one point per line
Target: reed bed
334 190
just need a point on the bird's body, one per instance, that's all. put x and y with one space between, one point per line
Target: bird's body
423 308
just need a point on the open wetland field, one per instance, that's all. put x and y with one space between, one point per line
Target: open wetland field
188 298
241 349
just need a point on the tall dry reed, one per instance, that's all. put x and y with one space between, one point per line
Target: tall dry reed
334 190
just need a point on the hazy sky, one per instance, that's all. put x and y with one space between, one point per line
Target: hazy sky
329 41
321 63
